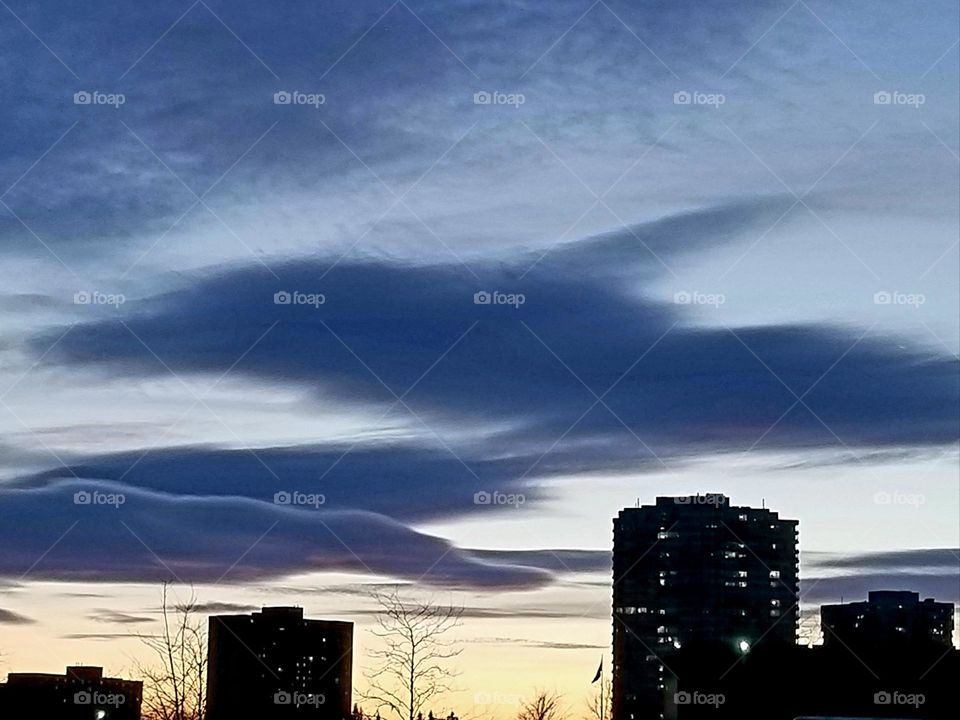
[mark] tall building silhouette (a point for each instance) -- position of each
(695, 573)
(277, 664)
(82, 693)
(888, 620)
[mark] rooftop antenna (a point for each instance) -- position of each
(763, 503)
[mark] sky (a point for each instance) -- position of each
(309, 298)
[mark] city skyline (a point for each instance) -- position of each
(302, 301)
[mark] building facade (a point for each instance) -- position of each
(694, 573)
(277, 664)
(81, 693)
(888, 620)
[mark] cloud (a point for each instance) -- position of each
(906, 560)
(118, 618)
(933, 572)
(9, 617)
(140, 536)
(519, 375)
(558, 560)
(590, 326)
(99, 637)
(223, 608)
(401, 481)
(944, 587)
(544, 644)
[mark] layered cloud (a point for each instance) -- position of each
(561, 363)
(207, 202)
(589, 356)
(932, 572)
(103, 532)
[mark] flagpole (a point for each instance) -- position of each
(603, 699)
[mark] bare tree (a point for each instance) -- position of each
(600, 701)
(544, 705)
(175, 681)
(413, 666)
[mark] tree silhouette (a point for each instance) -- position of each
(174, 684)
(413, 667)
(544, 705)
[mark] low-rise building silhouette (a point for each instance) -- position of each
(888, 620)
(877, 671)
(82, 693)
(699, 574)
(277, 664)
